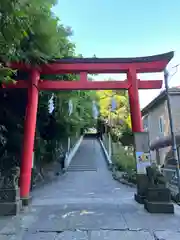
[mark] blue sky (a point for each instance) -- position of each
(123, 29)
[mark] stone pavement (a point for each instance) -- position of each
(88, 205)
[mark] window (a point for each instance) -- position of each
(145, 123)
(161, 125)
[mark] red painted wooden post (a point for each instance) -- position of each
(136, 120)
(29, 133)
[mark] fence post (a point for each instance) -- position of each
(110, 149)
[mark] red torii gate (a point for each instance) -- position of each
(82, 66)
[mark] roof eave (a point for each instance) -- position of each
(160, 97)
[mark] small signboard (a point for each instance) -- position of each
(143, 160)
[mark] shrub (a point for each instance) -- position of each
(123, 159)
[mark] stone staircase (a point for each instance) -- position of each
(80, 162)
(81, 168)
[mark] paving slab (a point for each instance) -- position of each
(30, 236)
(98, 219)
(8, 237)
(167, 235)
(73, 235)
(144, 220)
(21, 222)
(124, 235)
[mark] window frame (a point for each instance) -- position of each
(161, 125)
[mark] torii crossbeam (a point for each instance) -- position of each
(83, 66)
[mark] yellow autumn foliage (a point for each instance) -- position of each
(121, 114)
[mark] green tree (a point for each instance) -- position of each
(31, 33)
(119, 119)
(121, 113)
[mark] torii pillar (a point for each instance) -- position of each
(136, 118)
(29, 134)
(137, 126)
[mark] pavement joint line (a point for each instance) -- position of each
(83, 229)
(92, 229)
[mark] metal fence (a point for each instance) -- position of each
(106, 142)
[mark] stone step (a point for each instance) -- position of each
(159, 207)
(10, 208)
(86, 165)
(81, 168)
(83, 165)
